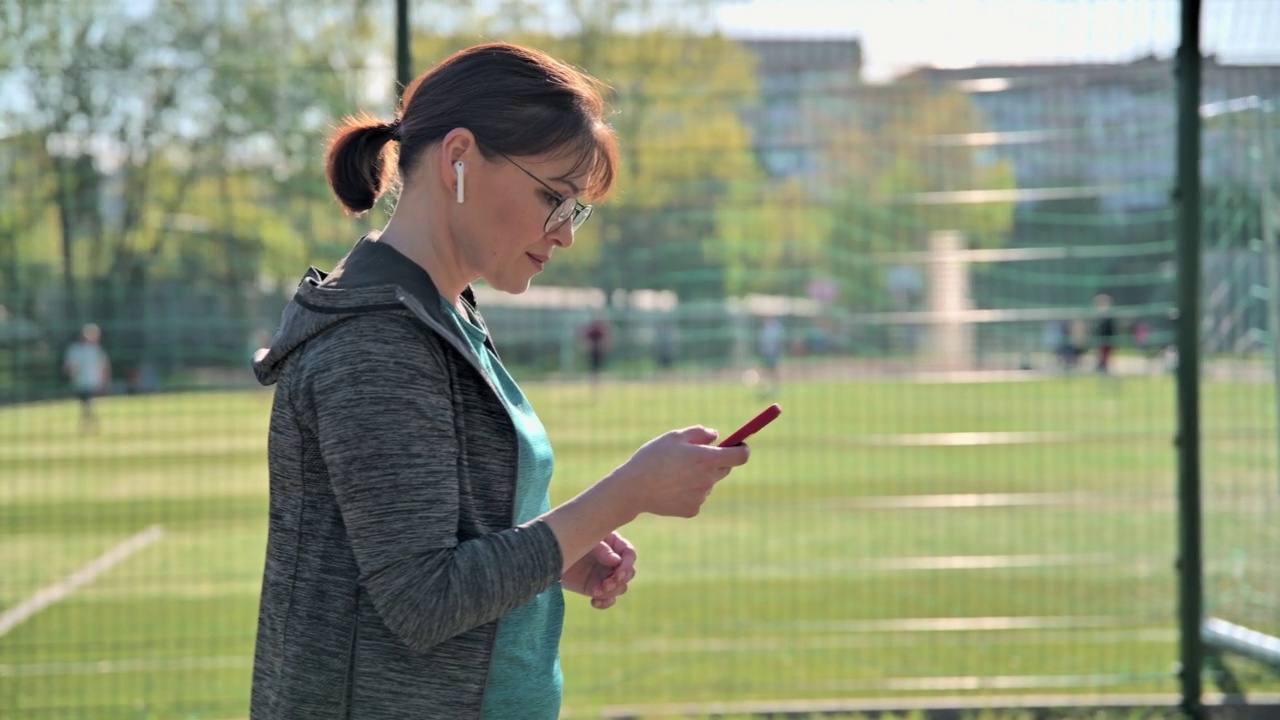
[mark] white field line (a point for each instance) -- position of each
(987, 500)
(175, 588)
(960, 624)
(893, 704)
(800, 642)
(737, 644)
(972, 562)
(107, 667)
(971, 439)
(186, 588)
(47, 596)
(1131, 566)
(171, 447)
(979, 682)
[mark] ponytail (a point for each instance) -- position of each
(357, 166)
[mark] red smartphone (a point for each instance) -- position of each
(753, 426)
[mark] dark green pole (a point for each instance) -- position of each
(1190, 590)
(404, 59)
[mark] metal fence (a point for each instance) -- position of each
(958, 508)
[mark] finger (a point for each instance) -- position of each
(607, 586)
(617, 590)
(619, 578)
(604, 554)
(619, 543)
(603, 603)
(698, 435)
(730, 457)
(626, 553)
(603, 583)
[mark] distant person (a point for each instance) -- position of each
(1104, 332)
(415, 566)
(1149, 351)
(773, 338)
(1068, 345)
(1169, 353)
(1080, 332)
(597, 337)
(1057, 341)
(144, 378)
(88, 368)
(666, 345)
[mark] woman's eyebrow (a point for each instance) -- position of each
(572, 185)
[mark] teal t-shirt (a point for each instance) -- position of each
(524, 678)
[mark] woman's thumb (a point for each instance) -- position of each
(699, 435)
(606, 555)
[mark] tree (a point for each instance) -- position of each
(909, 162)
(24, 219)
(178, 137)
(686, 155)
(103, 87)
(687, 161)
(938, 172)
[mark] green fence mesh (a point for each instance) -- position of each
(931, 207)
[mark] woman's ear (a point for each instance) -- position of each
(456, 149)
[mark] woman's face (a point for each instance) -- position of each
(504, 238)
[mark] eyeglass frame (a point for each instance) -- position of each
(577, 216)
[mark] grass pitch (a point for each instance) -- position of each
(887, 539)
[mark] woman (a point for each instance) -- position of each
(414, 565)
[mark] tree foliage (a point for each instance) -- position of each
(686, 151)
(132, 110)
(169, 142)
(906, 160)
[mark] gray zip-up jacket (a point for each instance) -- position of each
(391, 553)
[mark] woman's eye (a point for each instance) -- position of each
(552, 201)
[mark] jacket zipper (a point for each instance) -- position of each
(414, 307)
(351, 661)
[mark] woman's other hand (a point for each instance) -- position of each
(603, 573)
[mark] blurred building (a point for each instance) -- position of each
(1101, 130)
(1109, 130)
(804, 87)
(1096, 141)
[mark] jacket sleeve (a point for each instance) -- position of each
(378, 391)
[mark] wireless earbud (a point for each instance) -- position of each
(459, 169)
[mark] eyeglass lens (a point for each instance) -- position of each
(569, 209)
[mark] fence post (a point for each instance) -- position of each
(1190, 590)
(950, 343)
(404, 39)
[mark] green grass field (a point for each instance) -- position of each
(887, 540)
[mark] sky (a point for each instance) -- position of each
(897, 35)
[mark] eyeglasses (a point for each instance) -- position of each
(566, 209)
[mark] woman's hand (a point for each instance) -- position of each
(604, 572)
(673, 474)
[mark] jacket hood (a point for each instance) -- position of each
(373, 277)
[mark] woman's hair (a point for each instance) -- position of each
(515, 100)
